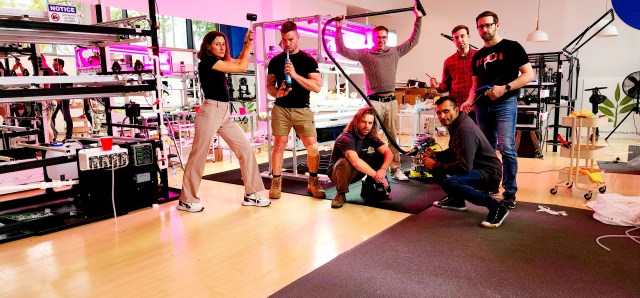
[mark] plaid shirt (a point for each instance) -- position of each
(456, 76)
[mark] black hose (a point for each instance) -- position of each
(366, 99)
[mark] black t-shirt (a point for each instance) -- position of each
(500, 62)
(62, 85)
(304, 65)
(214, 83)
(365, 148)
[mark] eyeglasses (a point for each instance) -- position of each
(486, 26)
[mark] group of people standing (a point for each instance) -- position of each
(468, 170)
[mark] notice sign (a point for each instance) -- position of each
(63, 14)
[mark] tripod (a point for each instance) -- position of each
(635, 109)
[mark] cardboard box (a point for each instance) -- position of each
(410, 99)
(422, 92)
(400, 98)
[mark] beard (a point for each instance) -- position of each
(487, 36)
(363, 133)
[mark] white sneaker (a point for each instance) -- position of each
(189, 206)
(255, 199)
(399, 175)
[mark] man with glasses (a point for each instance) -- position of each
(456, 73)
(469, 168)
(380, 64)
(503, 66)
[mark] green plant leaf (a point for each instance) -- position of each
(626, 100)
(605, 111)
(616, 94)
(609, 103)
(626, 109)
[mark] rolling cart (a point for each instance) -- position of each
(582, 152)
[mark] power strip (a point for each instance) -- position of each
(96, 158)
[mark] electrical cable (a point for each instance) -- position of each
(113, 197)
(175, 145)
(626, 235)
(545, 171)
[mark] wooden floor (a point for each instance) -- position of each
(229, 250)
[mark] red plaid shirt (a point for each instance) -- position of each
(456, 76)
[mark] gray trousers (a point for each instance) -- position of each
(212, 118)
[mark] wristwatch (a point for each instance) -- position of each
(508, 87)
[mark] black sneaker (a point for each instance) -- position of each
(451, 203)
(509, 200)
(496, 216)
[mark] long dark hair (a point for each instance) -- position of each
(360, 114)
(207, 40)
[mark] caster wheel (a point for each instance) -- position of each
(602, 189)
(570, 185)
(554, 190)
(587, 196)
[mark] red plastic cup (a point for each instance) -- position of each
(106, 142)
(196, 108)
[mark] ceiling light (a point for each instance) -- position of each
(538, 35)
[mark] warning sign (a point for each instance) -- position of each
(63, 14)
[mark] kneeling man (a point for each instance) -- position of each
(469, 167)
(358, 152)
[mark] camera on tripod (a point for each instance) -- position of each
(596, 98)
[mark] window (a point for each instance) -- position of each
(172, 32)
(200, 29)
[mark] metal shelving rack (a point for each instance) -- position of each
(39, 32)
(558, 91)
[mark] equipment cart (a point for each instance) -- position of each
(582, 152)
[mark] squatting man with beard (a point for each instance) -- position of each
(358, 152)
(469, 168)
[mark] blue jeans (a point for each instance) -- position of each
(468, 187)
(498, 123)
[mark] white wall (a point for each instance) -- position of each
(223, 12)
(601, 58)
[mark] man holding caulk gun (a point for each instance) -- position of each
(504, 66)
(291, 76)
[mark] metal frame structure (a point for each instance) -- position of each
(558, 59)
(309, 23)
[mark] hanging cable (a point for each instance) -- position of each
(364, 96)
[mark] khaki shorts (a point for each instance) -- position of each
(301, 119)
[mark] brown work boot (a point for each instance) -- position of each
(314, 188)
(338, 200)
(276, 188)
